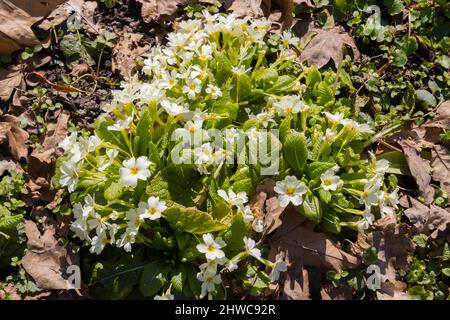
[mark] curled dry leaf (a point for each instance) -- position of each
(46, 259)
(326, 45)
(159, 9)
(265, 205)
(9, 79)
(126, 51)
(432, 220)
(243, 8)
(393, 244)
(8, 165)
(393, 291)
(420, 168)
(302, 245)
(16, 19)
(440, 166)
(442, 118)
(330, 292)
(13, 136)
(296, 284)
(41, 164)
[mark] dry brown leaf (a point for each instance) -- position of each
(393, 245)
(287, 8)
(126, 51)
(9, 79)
(14, 136)
(442, 118)
(296, 285)
(79, 69)
(431, 220)
(301, 244)
(393, 291)
(8, 165)
(420, 168)
(41, 164)
(158, 9)
(265, 205)
(16, 19)
(326, 45)
(243, 8)
(46, 259)
(440, 166)
(330, 292)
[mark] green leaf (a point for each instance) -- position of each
(420, 293)
(242, 88)
(313, 76)
(324, 94)
(425, 98)
(265, 77)
(325, 195)
(330, 222)
(223, 68)
(192, 220)
(394, 6)
(153, 154)
(410, 97)
(295, 151)
(102, 131)
(315, 169)
(114, 191)
(285, 128)
(311, 208)
(143, 132)
(179, 277)
(192, 281)
(175, 184)
(397, 162)
(234, 235)
(245, 185)
(400, 58)
(153, 278)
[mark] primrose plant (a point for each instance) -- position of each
(178, 153)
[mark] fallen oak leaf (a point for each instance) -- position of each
(9, 80)
(300, 243)
(393, 291)
(16, 20)
(14, 136)
(328, 45)
(158, 9)
(440, 166)
(8, 165)
(296, 284)
(243, 8)
(265, 205)
(431, 220)
(46, 259)
(420, 168)
(126, 51)
(330, 292)
(393, 245)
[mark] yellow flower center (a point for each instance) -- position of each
(290, 190)
(192, 129)
(327, 182)
(151, 211)
(192, 87)
(365, 195)
(289, 110)
(134, 171)
(211, 248)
